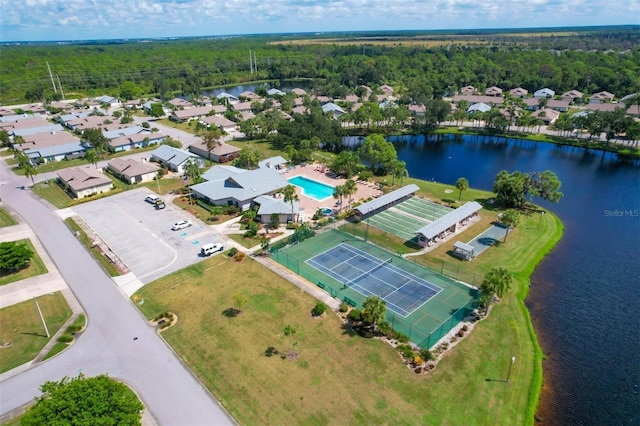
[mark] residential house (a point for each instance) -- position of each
(601, 97)
(300, 92)
(243, 106)
(175, 159)
(519, 92)
(322, 99)
(475, 99)
(493, 91)
(35, 109)
(132, 171)
(221, 122)
(300, 110)
(417, 110)
(138, 140)
(478, 107)
(630, 98)
(126, 131)
(533, 104)
(547, 115)
(544, 93)
(89, 122)
(333, 109)
(572, 96)
(133, 104)
(6, 111)
(181, 104)
(46, 128)
(228, 185)
(275, 92)
(194, 113)
(468, 90)
(250, 96)
(227, 98)
(108, 100)
(387, 90)
(82, 182)
(61, 105)
(277, 162)
(221, 153)
(47, 147)
(246, 115)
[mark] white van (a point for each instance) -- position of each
(153, 199)
(209, 249)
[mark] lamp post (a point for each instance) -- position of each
(513, 359)
(540, 221)
(366, 237)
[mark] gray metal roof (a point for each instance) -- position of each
(440, 225)
(272, 162)
(173, 156)
(270, 205)
(464, 246)
(222, 172)
(385, 199)
(56, 150)
(127, 131)
(33, 130)
(243, 186)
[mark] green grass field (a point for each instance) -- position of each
(36, 267)
(21, 325)
(6, 219)
(340, 378)
(78, 324)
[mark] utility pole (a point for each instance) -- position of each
(42, 318)
(250, 63)
(255, 62)
(60, 86)
(51, 75)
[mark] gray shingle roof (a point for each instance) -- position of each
(270, 205)
(440, 225)
(272, 162)
(240, 186)
(127, 131)
(172, 156)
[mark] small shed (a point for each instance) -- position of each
(463, 251)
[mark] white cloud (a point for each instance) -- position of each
(69, 19)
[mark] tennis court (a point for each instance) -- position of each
(422, 303)
(405, 218)
(402, 291)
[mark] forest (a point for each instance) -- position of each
(589, 60)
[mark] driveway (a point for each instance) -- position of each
(141, 236)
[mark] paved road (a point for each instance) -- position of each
(171, 393)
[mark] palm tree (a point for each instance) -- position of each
(338, 193)
(373, 310)
(349, 188)
(29, 171)
(290, 196)
(462, 184)
(212, 140)
(92, 157)
(498, 282)
(192, 170)
(511, 219)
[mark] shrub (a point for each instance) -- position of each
(343, 307)
(465, 328)
(461, 333)
(355, 315)
(65, 338)
(426, 354)
(233, 251)
(417, 360)
(231, 210)
(319, 309)
(249, 234)
(406, 351)
(402, 338)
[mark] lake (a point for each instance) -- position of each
(585, 296)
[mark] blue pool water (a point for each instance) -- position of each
(312, 188)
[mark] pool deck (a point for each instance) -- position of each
(314, 171)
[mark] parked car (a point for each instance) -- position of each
(209, 249)
(153, 199)
(181, 225)
(160, 205)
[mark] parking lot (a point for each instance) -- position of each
(141, 236)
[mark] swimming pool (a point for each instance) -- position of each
(312, 188)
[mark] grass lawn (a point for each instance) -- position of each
(262, 146)
(200, 212)
(339, 377)
(53, 193)
(250, 242)
(6, 219)
(21, 325)
(181, 126)
(77, 325)
(35, 268)
(97, 254)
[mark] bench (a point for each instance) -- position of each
(349, 301)
(322, 286)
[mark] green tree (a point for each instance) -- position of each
(97, 400)
(512, 188)
(14, 256)
(290, 333)
(497, 281)
(192, 170)
(4, 139)
(248, 159)
(462, 184)
(373, 310)
(239, 300)
(349, 189)
(91, 156)
(378, 153)
(275, 220)
(97, 140)
(212, 139)
(338, 193)
(290, 196)
(156, 110)
(346, 163)
(29, 171)
(511, 219)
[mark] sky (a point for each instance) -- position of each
(48, 20)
